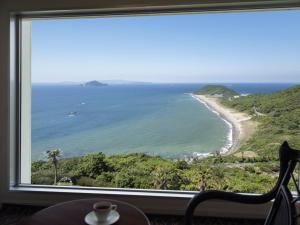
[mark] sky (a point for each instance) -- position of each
(191, 48)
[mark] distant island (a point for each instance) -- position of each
(104, 82)
(217, 91)
(93, 83)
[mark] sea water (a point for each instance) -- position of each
(156, 119)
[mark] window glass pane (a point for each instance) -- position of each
(177, 102)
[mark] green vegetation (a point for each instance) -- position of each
(216, 90)
(278, 115)
(138, 170)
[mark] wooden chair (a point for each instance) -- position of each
(283, 211)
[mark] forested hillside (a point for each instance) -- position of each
(279, 117)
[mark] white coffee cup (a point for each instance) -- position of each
(102, 210)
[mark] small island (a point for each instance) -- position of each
(216, 91)
(93, 83)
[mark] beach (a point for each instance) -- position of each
(241, 127)
(156, 119)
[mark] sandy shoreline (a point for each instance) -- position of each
(240, 124)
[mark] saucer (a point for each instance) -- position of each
(112, 217)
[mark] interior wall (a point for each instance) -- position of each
(3, 99)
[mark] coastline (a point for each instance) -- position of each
(240, 125)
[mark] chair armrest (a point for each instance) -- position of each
(222, 195)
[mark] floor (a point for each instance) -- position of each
(12, 214)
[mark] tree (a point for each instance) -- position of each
(92, 165)
(53, 156)
(166, 177)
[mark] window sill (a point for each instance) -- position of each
(149, 201)
(103, 191)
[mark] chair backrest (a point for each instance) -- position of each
(283, 211)
(288, 158)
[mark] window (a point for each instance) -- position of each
(15, 164)
(167, 102)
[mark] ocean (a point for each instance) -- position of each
(157, 119)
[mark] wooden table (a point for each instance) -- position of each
(73, 213)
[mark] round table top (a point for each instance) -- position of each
(73, 213)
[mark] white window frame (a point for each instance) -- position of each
(161, 202)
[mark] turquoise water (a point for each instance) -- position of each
(156, 119)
